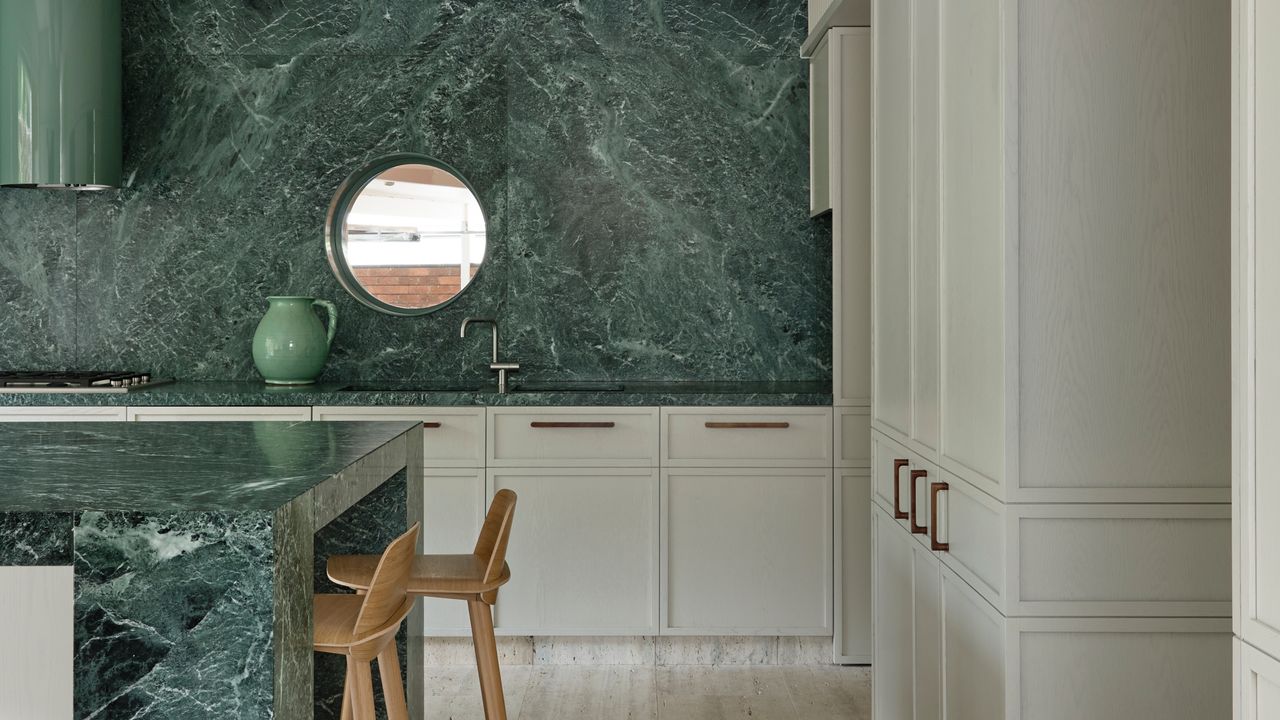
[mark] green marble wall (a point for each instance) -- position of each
(644, 162)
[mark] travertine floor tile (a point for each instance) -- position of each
(453, 693)
(629, 692)
(576, 692)
(749, 681)
(829, 693)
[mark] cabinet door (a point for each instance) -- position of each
(1258, 345)
(1258, 684)
(926, 614)
(454, 507)
(746, 552)
(891, 693)
(973, 653)
(583, 552)
(851, 219)
(820, 129)
(38, 680)
(891, 318)
(973, 259)
(853, 567)
(925, 227)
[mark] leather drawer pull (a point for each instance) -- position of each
(934, 489)
(431, 425)
(747, 425)
(543, 424)
(916, 529)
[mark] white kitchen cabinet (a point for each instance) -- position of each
(890, 217)
(218, 414)
(746, 552)
(452, 436)
(455, 503)
(1038, 330)
(926, 634)
(572, 437)
(891, 690)
(1256, 351)
(1257, 683)
(853, 635)
(820, 96)
(747, 437)
(62, 414)
(1050, 282)
(851, 216)
(583, 552)
(38, 675)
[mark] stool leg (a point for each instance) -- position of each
(346, 694)
(495, 707)
(392, 687)
(362, 689)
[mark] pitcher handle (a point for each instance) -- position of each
(332, 311)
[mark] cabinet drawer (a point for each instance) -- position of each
(451, 437)
(62, 414)
(972, 523)
(219, 414)
(853, 437)
(573, 437)
(747, 437)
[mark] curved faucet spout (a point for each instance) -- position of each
(483, 321)
(502, 368)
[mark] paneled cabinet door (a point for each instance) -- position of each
(1258, 684)
(583, 552)
(454, 507)
(890, 228)
(1259, 467)
(927, 633)
(746, 552)
(973, 653)
(891, 693)
(853, 567)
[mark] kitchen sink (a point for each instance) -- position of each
(436, 387)
(582, 386)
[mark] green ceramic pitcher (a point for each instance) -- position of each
(291, 344)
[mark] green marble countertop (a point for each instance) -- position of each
(444, 394)
(177, 467)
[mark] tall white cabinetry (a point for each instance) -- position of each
(840, 117)
(1257, 352)
(1050, 364)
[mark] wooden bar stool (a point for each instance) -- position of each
(474, 578)
(363, 627)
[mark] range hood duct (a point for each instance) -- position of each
(60, 115)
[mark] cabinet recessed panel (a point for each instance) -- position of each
(747, 552)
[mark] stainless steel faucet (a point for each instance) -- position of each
(502, 368)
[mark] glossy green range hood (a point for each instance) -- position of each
(60, 94)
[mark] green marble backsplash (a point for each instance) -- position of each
(644, 162)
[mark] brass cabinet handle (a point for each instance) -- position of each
(548, 424)
(748, 425)
(898, 464)
(431, 425)
(934, 489)
(917, 529)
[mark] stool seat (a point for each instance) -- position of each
(447, 576)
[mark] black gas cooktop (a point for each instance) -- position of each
(72, 380)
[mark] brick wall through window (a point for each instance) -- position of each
(412, 286)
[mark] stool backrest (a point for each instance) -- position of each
(388, 595)
(492, 543)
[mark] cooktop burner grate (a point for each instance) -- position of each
(71, 379)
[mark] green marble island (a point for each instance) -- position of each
(197, 548)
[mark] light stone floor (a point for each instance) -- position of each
(680, 692)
